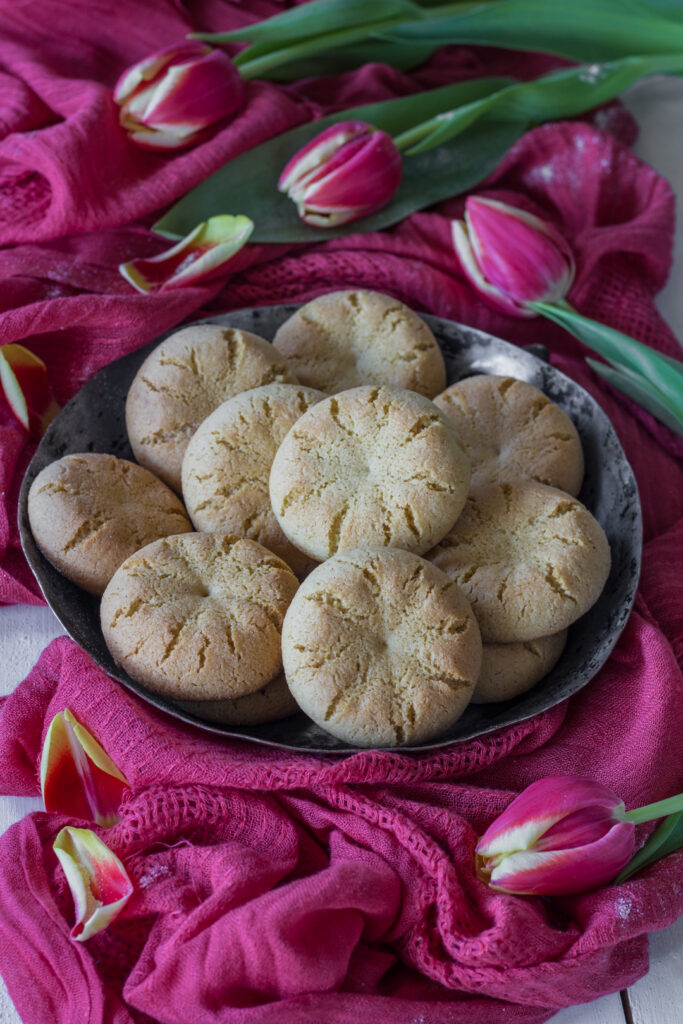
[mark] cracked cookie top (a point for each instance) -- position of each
(508, 670)
(227, 466)
(89, 512)
(381, 648)
(348, 338)
(375, 466)
(199, 616)
(530, 558)
(184, 379)
(511, 430)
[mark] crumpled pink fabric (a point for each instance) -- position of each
(289, 888)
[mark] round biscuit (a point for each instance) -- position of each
(88, 512)
(227, 466)
(344, 339)
(380, 648)
(269, 704)
(199, 616)
(376, 466)
(530, 558)
(509, 670)
(512, 431)
(184, 379)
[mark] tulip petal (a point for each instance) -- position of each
(24, 380)
(495, 298)
(99, 884)
(562, 872)
(195, 258)
(77, 777)
(148, 69)
(318, 151)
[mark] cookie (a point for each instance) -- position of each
(511, 431)
(227, 466)
(373, 466)
(89, 512)
(273, 702)
(199, 616)
(184, 379)
(345, 339)
(380, 648)
(508, 670)
(530, 558)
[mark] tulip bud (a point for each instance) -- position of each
(169, 100)
(561, 835)
(347, 172)
(27, 389)
(192, 260)
(99, 883)
(512, 257)
(77, 777)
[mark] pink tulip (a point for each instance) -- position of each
(512, 257)
(171, 99)
(77, 777)
(24, 381)
(347, 172)
(561, 835)
(99, 883)
(194, 259)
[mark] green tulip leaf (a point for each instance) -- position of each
(667, 838)
(248, 183)
(623, 352)
(640, 391)
(338, 59)
(583, 30)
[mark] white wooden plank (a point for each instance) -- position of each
(607, 1010)
(658, 997)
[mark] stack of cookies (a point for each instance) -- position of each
(368, 545)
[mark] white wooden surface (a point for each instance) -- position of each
(657, 998)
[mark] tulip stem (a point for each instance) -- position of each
(660, 809)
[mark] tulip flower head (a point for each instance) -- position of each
(99, 883)
(512, 257)
(559, 836)
(347, 172)
(24, 381)
(171, 99)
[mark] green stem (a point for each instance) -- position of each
(660, 809)
(311, 47)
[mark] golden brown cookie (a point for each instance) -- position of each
(227, 466)
(273, 702)
(511, 431)
(380, 648)
(89, 512)
(530, 558)
(348, 338)
(198, 617)
(373, 466)
(184, 379)
(508, 670)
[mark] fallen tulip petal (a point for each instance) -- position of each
(99, 884)
(171, 99)
(77, 777)
(27, 389)
(195, 258)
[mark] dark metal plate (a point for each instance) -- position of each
(93, 421)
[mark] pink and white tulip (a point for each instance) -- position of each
(347, 172)
(77, 777)
(171, 99)
(512, 257)
(193, 260)
(561, 835)
(99, 883)
(24, 380)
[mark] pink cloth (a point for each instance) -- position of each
(272, 886)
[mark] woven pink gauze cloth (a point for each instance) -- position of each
(271, 886)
